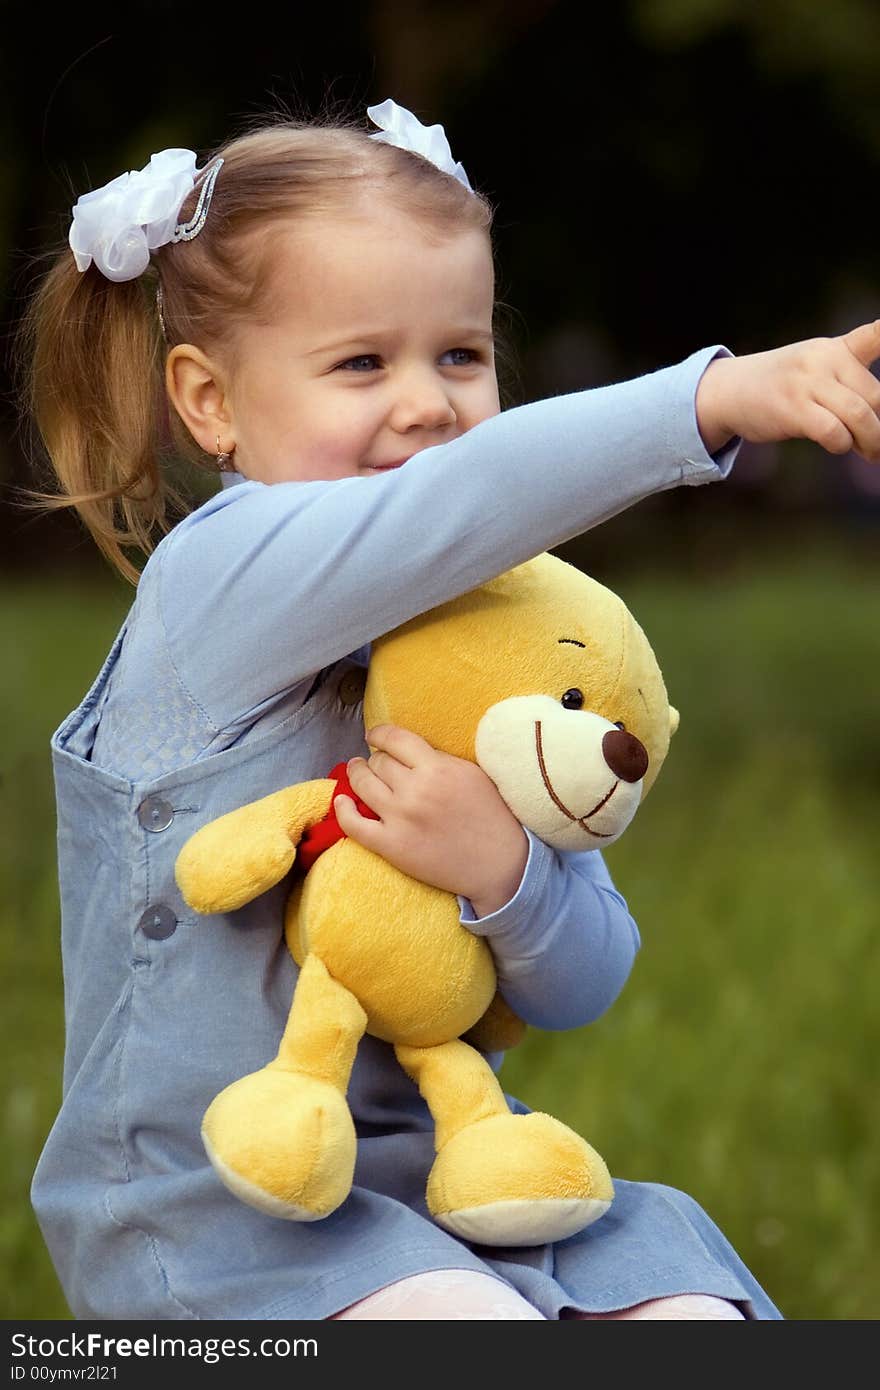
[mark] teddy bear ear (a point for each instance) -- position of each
(674, 719)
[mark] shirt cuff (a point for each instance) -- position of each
(519, 910)
(698, 465)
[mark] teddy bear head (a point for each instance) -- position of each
(542, 677)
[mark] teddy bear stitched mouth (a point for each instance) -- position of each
(578, 820)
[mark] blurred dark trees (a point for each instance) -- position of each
(667, 173)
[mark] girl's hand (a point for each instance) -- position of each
(442, 820)
(820, 389)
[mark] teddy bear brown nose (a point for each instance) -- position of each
(625, 755)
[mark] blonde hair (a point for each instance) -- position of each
(92, 352)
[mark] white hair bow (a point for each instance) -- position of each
(400, 127)
(117, 226)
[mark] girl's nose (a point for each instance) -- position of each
(422, 403)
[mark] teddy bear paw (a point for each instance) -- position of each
(282, 1142)
(517, 1180)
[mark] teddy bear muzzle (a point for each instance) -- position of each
(572, 777)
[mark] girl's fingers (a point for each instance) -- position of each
(863, 382)
(388, 769)
(370, 788)
(360, 828)
(864, 342)
(408, 748)
(859, 421)
(824, 428)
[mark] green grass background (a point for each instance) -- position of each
(740, 1063)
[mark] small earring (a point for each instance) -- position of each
(224, 457)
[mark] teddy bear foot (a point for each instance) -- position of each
(282, 1142)
(524, 1222)
(517, 1180)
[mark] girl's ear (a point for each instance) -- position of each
(196, 387)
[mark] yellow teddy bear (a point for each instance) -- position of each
(544, 679)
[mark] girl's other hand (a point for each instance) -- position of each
(820, 389)
(441, 819)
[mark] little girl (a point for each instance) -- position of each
(316, 303)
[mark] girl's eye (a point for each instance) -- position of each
(360, 364)
(461, 357)
(572, 699)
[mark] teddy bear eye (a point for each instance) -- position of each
(572, 699)
(619, 724)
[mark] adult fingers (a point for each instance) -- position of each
(404, 745)
(864, 342)
(858, 419)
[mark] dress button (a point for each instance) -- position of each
(158, 922)
(352, 686)
(154, 813)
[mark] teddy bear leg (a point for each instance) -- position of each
(498, 1178)
(282, 1139)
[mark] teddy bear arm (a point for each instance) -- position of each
(498, 1030)
(234, 859)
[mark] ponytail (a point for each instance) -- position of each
(90, 361)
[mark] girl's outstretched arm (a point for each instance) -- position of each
(304, 573)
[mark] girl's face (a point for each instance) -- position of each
(381, 346)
